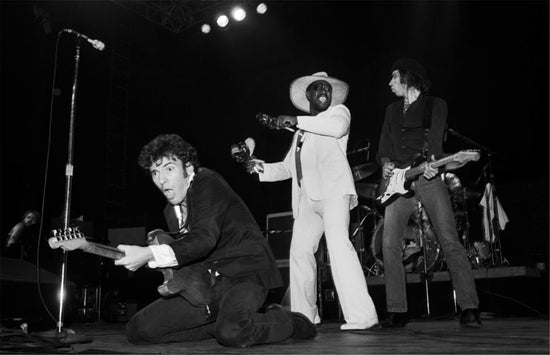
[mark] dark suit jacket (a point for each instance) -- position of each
(222, 232)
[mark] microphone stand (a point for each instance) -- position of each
(69, 169)
(493, 225)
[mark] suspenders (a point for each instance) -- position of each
(427, 124)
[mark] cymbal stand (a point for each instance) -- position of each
(424, 255)
(494, 224)
(361, 244)
(460, 206)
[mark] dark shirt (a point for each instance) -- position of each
(403, 135)
(222, 232)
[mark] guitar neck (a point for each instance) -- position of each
(103, 250)
(418, 170)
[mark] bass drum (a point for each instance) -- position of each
(413, 258)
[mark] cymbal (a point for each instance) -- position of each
(364, 170)
(367, 190)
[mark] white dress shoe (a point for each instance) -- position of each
(357, 326)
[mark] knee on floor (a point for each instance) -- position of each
(140, 333)
(238, 333)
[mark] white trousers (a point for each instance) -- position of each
(330, 216)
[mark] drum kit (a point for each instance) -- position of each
(421, 249)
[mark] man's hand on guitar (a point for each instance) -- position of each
(430, 171)
(135, 256)
(387, 169)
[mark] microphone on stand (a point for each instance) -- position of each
(97, 44)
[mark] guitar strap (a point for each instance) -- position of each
(427, 124)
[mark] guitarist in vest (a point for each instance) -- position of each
(413, 128)
(214, 235)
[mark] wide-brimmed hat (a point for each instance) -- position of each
(298, 90)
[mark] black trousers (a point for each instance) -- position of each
(238, 323)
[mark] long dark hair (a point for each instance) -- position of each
(414, 80)
(412, 74)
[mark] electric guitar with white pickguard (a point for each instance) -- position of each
(399, 182)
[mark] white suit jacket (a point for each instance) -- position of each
(325, 168)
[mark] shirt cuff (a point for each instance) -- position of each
(164, 256)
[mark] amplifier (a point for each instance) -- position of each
(278, 234)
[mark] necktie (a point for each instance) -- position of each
(299, 143)
(183, 216)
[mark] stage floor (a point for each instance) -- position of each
(420, 336)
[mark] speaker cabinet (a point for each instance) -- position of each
(279, 233)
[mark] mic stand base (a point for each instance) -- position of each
(66, 336)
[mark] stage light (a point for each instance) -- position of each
(205, 28)
(261, 8)
(222, 21)
(238, 14)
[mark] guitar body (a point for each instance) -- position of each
(394, 187)
(193, 282)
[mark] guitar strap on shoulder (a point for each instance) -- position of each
(427, 123)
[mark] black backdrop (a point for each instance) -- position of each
(488, 59)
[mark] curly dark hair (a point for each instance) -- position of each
(167, 146)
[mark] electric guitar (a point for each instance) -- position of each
(399, 182)
(193, 282)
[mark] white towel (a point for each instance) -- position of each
(502, 218)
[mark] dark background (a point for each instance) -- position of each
(487, 59)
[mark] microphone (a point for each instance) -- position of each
(270, 122)
(97, 44)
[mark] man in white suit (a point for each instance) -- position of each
(323, 193)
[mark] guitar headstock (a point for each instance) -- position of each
(466, 155)
(68, 239)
